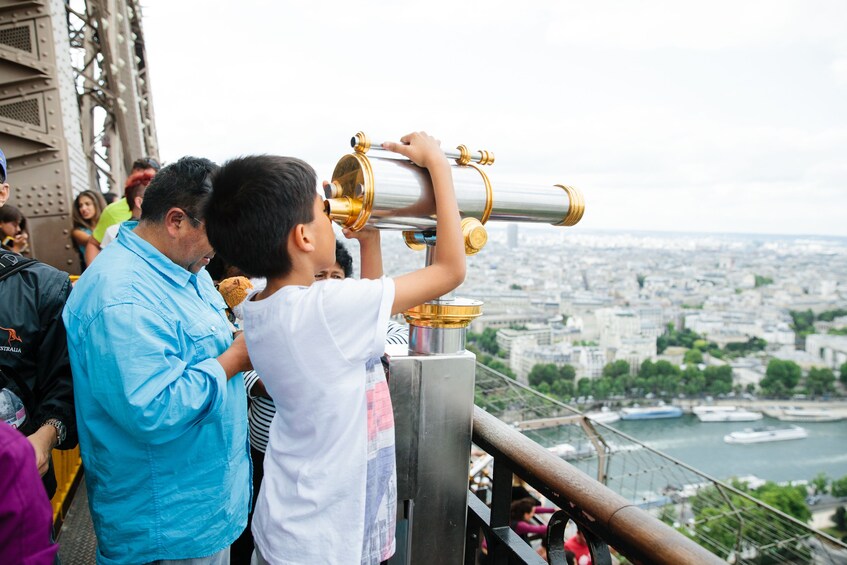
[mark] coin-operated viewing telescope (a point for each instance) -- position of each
(432, 381)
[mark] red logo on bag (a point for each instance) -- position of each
(13, 335)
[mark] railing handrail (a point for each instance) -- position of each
(624, 526)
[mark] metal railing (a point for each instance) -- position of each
(603, 516)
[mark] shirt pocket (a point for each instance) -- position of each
(203, 336)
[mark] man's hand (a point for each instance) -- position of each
(235, 359)
(43, 441)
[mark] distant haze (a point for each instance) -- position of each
(681, 116)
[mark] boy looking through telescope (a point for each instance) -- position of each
(315, 345)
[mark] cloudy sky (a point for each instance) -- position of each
(721, 116)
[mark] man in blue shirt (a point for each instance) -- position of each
(162, 423)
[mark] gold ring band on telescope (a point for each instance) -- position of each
(576, 205)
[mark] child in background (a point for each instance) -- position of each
(86, 212)
(13, 230)
(317, 347)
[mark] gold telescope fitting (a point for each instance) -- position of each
(360, 142)
(489, 194)
(352, 191)
(411, 242)
(576, 208)
(475, 236)
(457, 313)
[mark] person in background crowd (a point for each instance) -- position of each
(88, 206)
(35, 374)
(118, 211)
(578, 546)
(163, 423)
(135, 196)
(110, 197)
(26, 517)
(13, 230)
(521, 513)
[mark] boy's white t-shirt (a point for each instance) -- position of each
(311, 345)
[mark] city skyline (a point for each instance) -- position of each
(723, 117)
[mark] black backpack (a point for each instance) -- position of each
(11, 263)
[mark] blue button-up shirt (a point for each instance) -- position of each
(163, 434)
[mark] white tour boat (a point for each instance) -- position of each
(737, 415)
(793, 414)
(604, 416)
(651, 413)
(766, 434)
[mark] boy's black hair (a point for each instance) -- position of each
(344, 260)
(184, 184)
(256, 201)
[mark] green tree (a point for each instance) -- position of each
(543, 373)
(567, 372)
(780, 377)
(840, 518)
(803, 322)
(583, 387)
(762, 280)
(820, 381)
(719, 523)
(842, 374)
(488, 341)
(789, 499)
(718, 379)
(619, 368)
(563, 388)
(693, 357)
(838, 487)
(694, 382)
(820, 483)
(830, 315)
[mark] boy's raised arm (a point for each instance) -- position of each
(370, 251)
(447, 270)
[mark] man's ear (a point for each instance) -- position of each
(138, 200)
(5, 191)
(173, 219)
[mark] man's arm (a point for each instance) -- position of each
(146, 384)
(447, 270)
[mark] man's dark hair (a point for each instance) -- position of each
(146, 163)
(256, 202)
(344, 260)
(185, 184)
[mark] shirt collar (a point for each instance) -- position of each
(155, 258)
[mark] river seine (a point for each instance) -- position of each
(702, 447)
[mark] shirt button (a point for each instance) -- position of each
(213, 328)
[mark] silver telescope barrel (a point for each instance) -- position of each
(394, 194)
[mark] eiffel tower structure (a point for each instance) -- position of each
(75, 109)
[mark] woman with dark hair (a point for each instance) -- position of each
(86, 212)
(13, 230)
